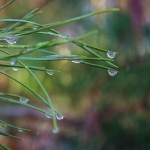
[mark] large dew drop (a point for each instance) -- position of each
(12, 39)
(15, 69)
(48, 116)
(24, 100)
(111, 54)
(50, 72)
(76, 61)
(55, 131)
(112, 72)
(59, 116)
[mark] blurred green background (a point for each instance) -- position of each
(101, 112)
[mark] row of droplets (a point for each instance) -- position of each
(111, 72)
(14, 38)
(58, 116)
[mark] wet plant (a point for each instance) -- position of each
(23, 27)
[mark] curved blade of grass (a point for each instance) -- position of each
(6, 134)
(15, 127)
(6, 4)
(4, 147)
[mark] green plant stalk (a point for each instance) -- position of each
(27, 130)
(5, 147)
(95, 65)
(46, 94)
(6, 134)
(6, 4)
(98, 66)
(27, 16)
(30, 67)
(39, 45)
(50, 103)
(41, 98)
(25, 104)
(11, 95)
(47, 26)
(3, 125)
(50, 58)
(81, 44)
(95, 54)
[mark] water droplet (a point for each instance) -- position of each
(55, 131)
(111, 54)
(20, 130)
(12, 39)
(50, 72)
(59, 116)
(48, 115)
(15, 69)
(13, 61)
(24, 100)
(112, 72)
(76, 61)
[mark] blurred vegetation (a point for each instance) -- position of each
(102, 112)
